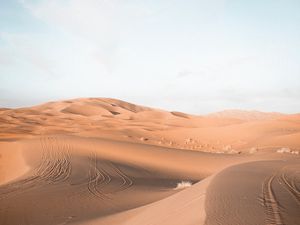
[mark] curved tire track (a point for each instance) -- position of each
(271, 205)
(57, 167)
(127, 182)
(54, 167)
(290, 185)
(97, 179)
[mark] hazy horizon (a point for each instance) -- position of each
(152, 106)
(196, 57)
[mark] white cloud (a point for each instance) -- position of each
(90, 21)
(103, 23)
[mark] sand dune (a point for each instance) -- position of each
(106, 161)
(118, 120)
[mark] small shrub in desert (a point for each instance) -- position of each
(183, 184)
(284, 150)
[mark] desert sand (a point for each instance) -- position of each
(109, 162)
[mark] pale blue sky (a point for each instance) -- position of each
(194, 56)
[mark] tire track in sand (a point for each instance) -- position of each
(290, 185)
(97, 178)
(127, 182)
(270, 203)
(54, 167)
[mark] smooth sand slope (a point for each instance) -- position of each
(105, 161)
